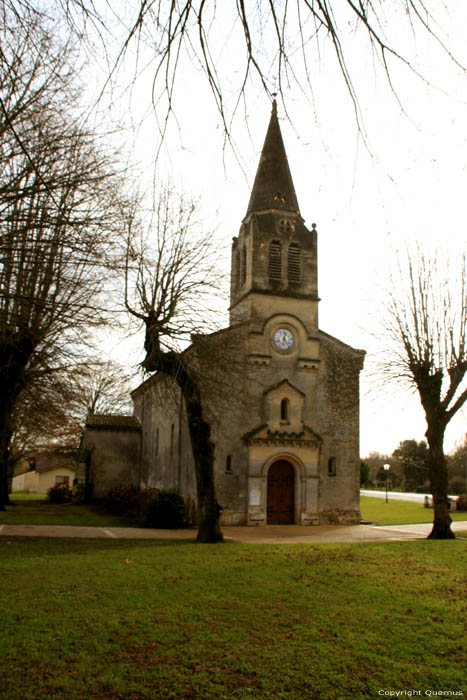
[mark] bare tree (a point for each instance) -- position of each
(426, 328)
(44, 415)
(57, 218)
(53, 405)
(277, 44)
(171, 277)
(101, 387)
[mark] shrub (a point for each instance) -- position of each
(456, 485)
(166, 510)
(462, 502)
(60, 493)
(78, 493)
(364, 474)
(124, 500)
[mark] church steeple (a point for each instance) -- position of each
(274, 257)
(273, 188)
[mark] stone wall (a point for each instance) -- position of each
(113, 457)
(166, 455)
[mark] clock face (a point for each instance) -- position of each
(283, 339)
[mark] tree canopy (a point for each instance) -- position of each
(273, 45)
(59, 210)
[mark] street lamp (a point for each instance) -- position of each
(386, 468)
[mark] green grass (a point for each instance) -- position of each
(26, 496)
(38, 511)
(134, 620)
(398, 512)
(34, 509)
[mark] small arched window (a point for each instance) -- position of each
(332, 466)
(275, 260)
(243, 266)
(293, 263)
(172, 436)
(235, 269)
(285, 409)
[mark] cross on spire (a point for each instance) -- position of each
(273, 187)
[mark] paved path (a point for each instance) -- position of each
(271, 534)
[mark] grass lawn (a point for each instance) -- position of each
(127, 620)
(34, 509)
(26, 496)
(398, 512)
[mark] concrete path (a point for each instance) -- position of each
(271, 534)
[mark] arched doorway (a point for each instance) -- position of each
(281, 493)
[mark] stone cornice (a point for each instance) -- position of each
(282, 439)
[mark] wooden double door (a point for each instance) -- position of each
(281, 493)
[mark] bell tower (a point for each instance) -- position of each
(274, 257)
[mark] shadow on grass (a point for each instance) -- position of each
(33, 546)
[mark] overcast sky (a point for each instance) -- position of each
(401, 179)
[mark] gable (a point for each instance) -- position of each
(263, 435)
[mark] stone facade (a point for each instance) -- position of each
(282, 396)
(166, 456)
(110, 450)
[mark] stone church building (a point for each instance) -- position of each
(282, 395)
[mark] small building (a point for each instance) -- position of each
(110, 449)
(48, 468)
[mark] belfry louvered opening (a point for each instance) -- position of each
(275, 260)
(293, 268)
(243, 266)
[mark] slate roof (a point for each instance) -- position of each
(70, 465)
(273, 187)
(113, 422)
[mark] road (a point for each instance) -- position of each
(396, 496)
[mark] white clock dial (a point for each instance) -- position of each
(283, 339)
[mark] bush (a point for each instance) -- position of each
(166, 510)
(124, 500)
(364, 474)
(60, 493)
(456, 485)
(462, 502)
(78, 493)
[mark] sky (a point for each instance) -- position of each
(399, 177)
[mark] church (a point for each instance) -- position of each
(282, 396)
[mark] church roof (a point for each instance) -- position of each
(111, 421)
(273, 187)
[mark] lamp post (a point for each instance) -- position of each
(386, 468)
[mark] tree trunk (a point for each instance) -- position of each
(200, 433)
(5, 437)
(7, 402)
(439, 484)
(14, 356)
(203, 452)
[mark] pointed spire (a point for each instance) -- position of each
(273, 187)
